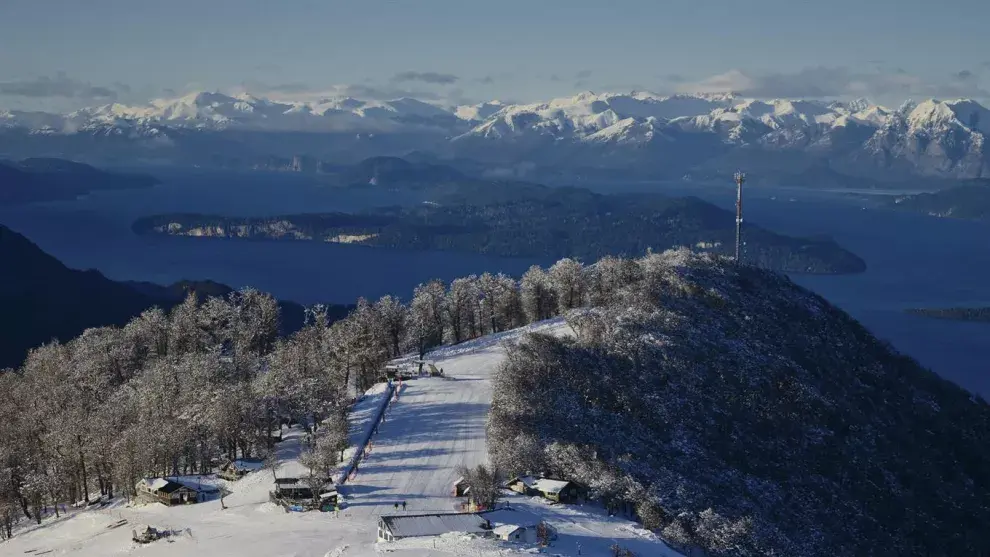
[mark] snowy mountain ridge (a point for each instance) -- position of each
(932, 137)
(581, 116)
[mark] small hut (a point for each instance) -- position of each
(237, 469)
(167, 492)
(296, 489)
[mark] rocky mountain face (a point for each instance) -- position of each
(742, 415)
(631, 135)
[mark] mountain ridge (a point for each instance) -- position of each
(629, 132)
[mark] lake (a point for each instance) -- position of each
(914, 261)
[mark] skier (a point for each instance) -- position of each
(403, 505)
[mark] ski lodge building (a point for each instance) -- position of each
(397, 527)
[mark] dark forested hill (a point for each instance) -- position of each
(46, 179)
(528, 220)
(42, 299)
(747, 416)
(970, 201)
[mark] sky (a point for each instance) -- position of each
(64, 54)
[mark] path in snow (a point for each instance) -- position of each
(436, 425)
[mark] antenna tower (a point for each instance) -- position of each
(739, 177)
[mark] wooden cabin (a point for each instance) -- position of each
(167, 492)
(296, 489)
(237, 469)
(558, 491)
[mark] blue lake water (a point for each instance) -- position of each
(913, 260)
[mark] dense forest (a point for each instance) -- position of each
(526, 220)
(744, 415)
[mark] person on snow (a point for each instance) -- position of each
(403, 505)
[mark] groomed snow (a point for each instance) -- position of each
(435, 425)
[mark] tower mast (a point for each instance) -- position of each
(739, 178)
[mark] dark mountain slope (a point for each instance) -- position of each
(49, 179)
(745, 415)
(42, 299)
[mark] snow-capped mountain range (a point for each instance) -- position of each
(934, 137)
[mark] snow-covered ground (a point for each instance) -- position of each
(435, 425)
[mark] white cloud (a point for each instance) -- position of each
(823, 82)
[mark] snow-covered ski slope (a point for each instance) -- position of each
(434, 426)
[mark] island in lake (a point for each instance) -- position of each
(516, 219)
(956, 314)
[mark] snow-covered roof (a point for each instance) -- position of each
(156, 484)
(166, 485)
(543, 485)
(511, 517)
(404, 526)
(505, 529)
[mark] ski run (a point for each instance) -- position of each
(431, 426)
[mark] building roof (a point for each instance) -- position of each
(165, 485)
(511, 517)
(403, 526)
(505, 529)
(543, 485)
(299, 483)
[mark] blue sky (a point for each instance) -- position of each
(79, 52)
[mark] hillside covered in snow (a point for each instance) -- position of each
(624, 135)
(744, 415)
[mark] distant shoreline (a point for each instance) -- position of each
(980, 314)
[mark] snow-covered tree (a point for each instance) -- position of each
(394, 318)
(567, 281)
(427, 316)
(539, 299)
(485, 484)
(461, 305)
